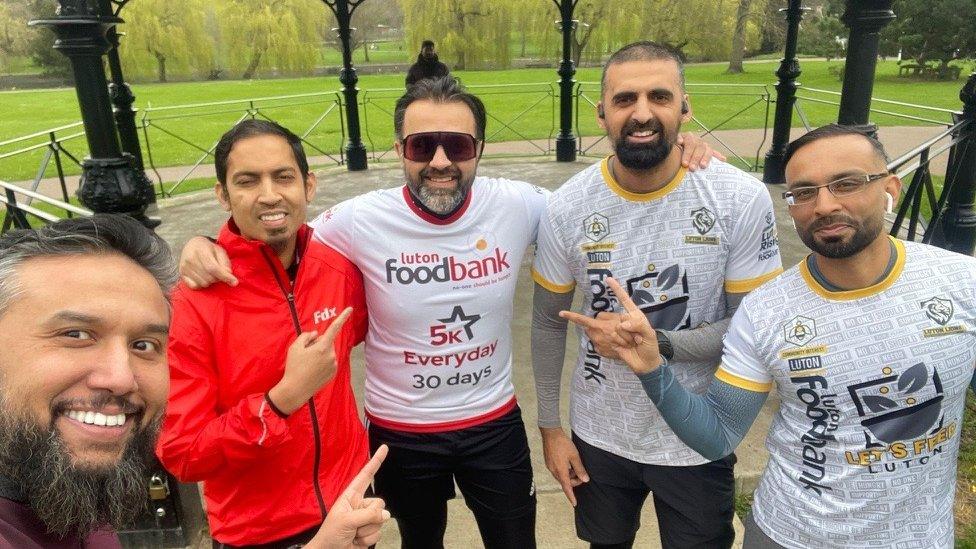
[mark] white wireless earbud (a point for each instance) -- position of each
(793, 221)
(889, 203)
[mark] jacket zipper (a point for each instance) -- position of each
(316, 436)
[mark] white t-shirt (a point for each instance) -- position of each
(863, 450)
(439, 294)
(677, 250)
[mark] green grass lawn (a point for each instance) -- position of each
(521, 104)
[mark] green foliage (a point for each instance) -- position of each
(819, 33)
(925, 31)
(470, 34)
(166, 36)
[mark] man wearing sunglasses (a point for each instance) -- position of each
(870, 342)
(688, 247)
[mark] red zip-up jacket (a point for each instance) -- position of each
(266, 476)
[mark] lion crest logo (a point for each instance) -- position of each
(938, 309)
(703, 220)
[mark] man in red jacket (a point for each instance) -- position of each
(260, 407)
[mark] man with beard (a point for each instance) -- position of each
(871, 343)
(83, 378)
(689, 246)
(261, 408)
(439, 257)
(427, 65)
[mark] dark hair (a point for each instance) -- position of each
(835, 130)
(253, 128)
(427, 44)
(98, 234)
(444, 89)
(645, 50)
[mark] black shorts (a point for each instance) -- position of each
(490, 463)
(694, 504)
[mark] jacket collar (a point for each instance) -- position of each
(239, 247)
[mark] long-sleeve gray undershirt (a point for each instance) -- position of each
(702, 344)
(712, 424)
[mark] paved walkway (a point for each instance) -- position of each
(198, 213)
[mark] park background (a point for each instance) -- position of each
(196, 66)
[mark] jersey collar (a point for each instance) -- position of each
(639, 197)
(849, 295)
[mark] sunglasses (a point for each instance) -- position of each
(421, 147)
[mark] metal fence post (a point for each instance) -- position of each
(566, 141)
(355, 150)
(865, 18)
(956, 230)
(789, 70)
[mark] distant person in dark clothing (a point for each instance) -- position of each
(427, 65)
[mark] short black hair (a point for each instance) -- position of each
(645, 50)
(253, 128)
(444, 89)
(835, 130)
(427, 44)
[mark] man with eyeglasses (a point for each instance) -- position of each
(688, 247)
(870, 342)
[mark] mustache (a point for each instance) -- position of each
(98, 403)
(635, 126)
(832, 220)
(450, 172)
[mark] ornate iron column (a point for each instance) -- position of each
(789, 70)
(566, 140)
(865, 18)
(355, 150)
(957, 228)
(110, 180)
(118, 89)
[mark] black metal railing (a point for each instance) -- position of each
(23, 213)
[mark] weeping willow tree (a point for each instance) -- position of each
(165, 37)
(284, 36)
(469, 34)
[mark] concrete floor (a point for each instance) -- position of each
(198, 213)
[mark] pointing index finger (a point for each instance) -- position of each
(333, 329)
(578, 319)
(622, 296)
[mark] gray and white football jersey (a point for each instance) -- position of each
(863, 450)
(677, 251)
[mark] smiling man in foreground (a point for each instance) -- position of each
(83, 378)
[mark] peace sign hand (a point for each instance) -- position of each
(634, 340)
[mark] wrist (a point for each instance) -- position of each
(549, 432)
(281, 400)
(652, 365)
(664, 345)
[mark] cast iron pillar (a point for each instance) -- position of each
(566, 140)
(789, 70)
(865, 18)
(110, 180)
(119, 91)
(957, 228)
(355, 150)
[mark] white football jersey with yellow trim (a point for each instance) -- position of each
(677, 250)
(863, 450)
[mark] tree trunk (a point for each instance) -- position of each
(252, 67)
(739, 38)
(160, 66)
(366, 51)
(522, 52)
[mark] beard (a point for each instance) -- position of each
(644, 156)
(69, 498)
(837, 247)
(440, 201)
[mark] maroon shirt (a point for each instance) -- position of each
(20, 528)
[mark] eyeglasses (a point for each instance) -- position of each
(845, 186)
(421, 147)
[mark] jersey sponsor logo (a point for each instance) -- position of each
(450, 268)
(603, 246)
(800, 330)
(940, 310)
(441, 334)
(769, 243)
(596, 227)
(805, 364)
(598, 257)
(702, 220)
(450, 359)
(902, 417)
(323, 315)
(817, 350)
(822, 412)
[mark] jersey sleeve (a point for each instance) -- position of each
(551, 268)
(335, 227)
(754, 256)
(535, 198)
(741, 365)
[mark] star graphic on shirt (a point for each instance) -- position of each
(457, 315)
